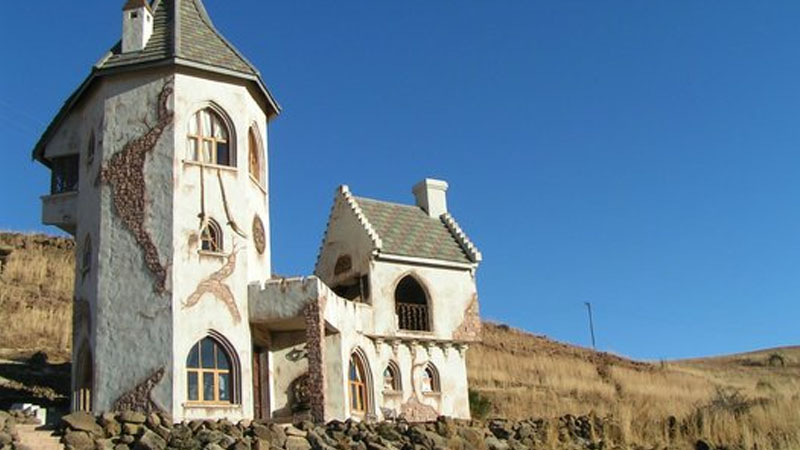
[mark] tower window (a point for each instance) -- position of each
(210, 373)
(255, 156)
(211, 238)
(134, 15)
(90, 150)
(208, 139)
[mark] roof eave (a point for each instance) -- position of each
(432, 262)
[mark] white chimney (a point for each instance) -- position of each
(137, 25)
(431, 196)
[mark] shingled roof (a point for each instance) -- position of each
(182, 29)
(408, 231)
(182, 35)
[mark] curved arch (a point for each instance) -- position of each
(392, 378)
(359, 386)
(255, 154)
(430, 380)
(412, 304)
(211, 238)
(213, 371)
(211, 136)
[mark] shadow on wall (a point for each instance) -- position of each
(35, 381)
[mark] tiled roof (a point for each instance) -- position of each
(408, 231)
(182, 29)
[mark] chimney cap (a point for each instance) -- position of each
(430, 183)
(136, 4)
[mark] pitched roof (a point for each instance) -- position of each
(182, 29)
(407, 230)
(182, 35)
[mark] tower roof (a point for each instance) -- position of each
(183, 35)
(182, 30)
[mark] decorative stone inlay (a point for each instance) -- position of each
(124, 173)
(140, 398)
(214, 285)
(315, 336)
(414, 410)
(470, 328)
(259, 235)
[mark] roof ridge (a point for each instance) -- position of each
(461, 237)
(352, 201)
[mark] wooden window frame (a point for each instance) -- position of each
(201, 140)
(215, 372)
(359, 405)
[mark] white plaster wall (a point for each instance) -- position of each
(245, 200)
(345, 236)
(288, 362)
(450, 292)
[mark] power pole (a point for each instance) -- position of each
(591, 324)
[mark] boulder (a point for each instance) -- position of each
(78, 440)
(5, 438)
(82, 421)
(297, 443)
(150, 441)
(132, 417)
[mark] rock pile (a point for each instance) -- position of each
(9, 438)
(137, 431)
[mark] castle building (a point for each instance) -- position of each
(159, 170)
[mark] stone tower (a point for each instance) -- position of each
(159, 170)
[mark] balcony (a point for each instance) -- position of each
(413, 317)
(61, 210)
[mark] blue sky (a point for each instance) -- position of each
(643, 156)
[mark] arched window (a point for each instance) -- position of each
(358, 383)
(90, 150)
(209, 139)
(391, 378)
(86, 256)
(411, 305)
(210, 371)
(211, 237)
(343, 264)
(430, 380)
(255, 157)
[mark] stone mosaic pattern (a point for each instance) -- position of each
(470, 328)
(215, 286)
(259, 235)
(140, 398)
(124, 173)
(315, 335)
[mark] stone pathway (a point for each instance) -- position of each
(38, 439)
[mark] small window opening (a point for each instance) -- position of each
(90, 150)
(134, 15)
(391, 378)
(412, 305)
(86, 259)
(255, 158)
(354, 287)
(430, 380)
(211, 238)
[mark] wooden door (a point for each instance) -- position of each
(261, 383)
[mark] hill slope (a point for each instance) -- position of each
(752, 398)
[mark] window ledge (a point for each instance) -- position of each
(189, 162)
(58, 195)
(200, 405)
(392, 393)
(432, 394)
(212, 254)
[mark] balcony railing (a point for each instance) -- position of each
(413, 317)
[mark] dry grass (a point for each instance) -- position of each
(35, 293)
(529, 376)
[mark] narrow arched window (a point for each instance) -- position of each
(86, 256)
(211, 237)
(210, 373)
(391, 378)
(90, 149)
(255, 157)
(430, 380)
(209, 139)
(411, 305)
(357, 376)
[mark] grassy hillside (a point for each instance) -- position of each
(749, 399)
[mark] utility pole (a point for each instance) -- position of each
(591, 324)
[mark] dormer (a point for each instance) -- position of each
(137, 25)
